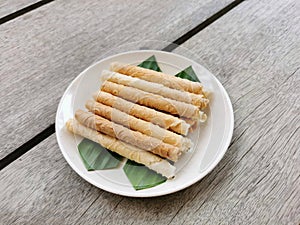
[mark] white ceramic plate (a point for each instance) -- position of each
(211, 139)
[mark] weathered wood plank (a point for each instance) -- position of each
(40, 187)
(42, 51)
(253, 50)
(10, 6)
(258, 182)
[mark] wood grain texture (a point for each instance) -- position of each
(254, 52)
(258, 180)
(44, 50)
(10, 6)
(41, 188)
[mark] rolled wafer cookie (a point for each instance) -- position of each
(152, 100)
(161, 119)
(136, 124)
(122, 133)
(193, 123)
(157, 77)
(133, 153)
(159, 89)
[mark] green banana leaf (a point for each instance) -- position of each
(151, 64)
(188, 74)
(96, 157)
(141, 177)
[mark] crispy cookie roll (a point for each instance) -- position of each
(136, 124)
(157, 77)
(131, 137)
(161, 119)
(152, 100)
(133, 153)
(159, 89)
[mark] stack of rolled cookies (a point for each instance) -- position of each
(142, 115)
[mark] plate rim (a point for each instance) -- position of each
(164, 192)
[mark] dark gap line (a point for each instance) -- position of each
(51, 129)
(201, 26)
(27, 146)
(24, 11)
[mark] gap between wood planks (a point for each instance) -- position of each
(24, 11)
(51, 129)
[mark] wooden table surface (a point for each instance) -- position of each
(252, 47)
